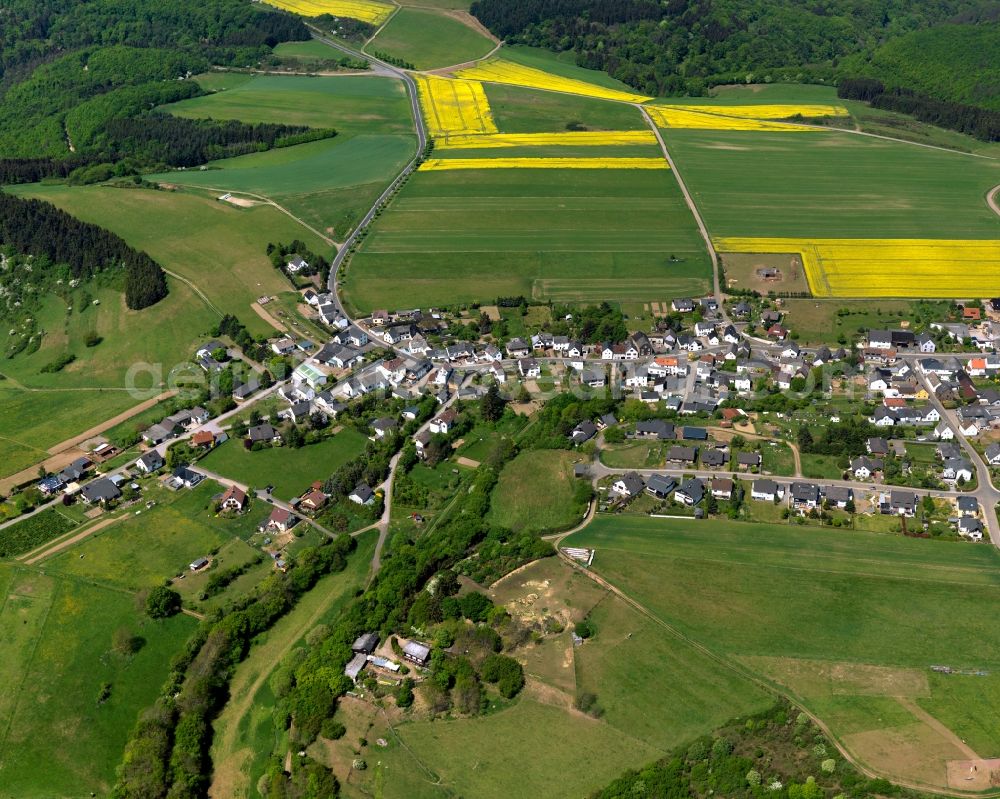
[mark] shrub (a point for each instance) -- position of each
(332, 730)
(828, 766)
(505, 672)
(162, 602)
(585, 628)
(753, 777)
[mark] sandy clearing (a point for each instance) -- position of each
(257, 309)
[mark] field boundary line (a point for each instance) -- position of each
(702, 228)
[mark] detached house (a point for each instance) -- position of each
(629, 485)
(234, 499)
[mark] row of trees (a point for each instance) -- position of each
(34, 227)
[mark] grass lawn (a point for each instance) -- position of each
(358, 104)
(217, 246)
(641, 455)
(821, 466)
(833, 185)
(518, 110)
(821, 322)
(565, 235)
(244, 733)
(823, 613)
(56, 653)
(290, 471)
(429, 40)
(777, 459)
(536, 492)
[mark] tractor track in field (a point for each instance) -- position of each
(991, 199)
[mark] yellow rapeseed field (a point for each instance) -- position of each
(582, 138)
(365, 10)
(454, 107)
(782, 111)
(441, 164)
(500, 71)
(887, 267)
(674, 117)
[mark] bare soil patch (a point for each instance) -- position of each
(909, 752)
(764, 272)
(824, 678)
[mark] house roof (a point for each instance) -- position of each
(363, 492)
(633, 483)
(262, 432)
(100, 490)
(234, 492)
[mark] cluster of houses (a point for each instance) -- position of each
(364, 649)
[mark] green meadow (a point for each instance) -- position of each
(536, 492)
(290, 471)
(217, 246)
(566, 235)
(429, 39)
(833, 185)
(56, 738)
(348, 103)
(826, 616)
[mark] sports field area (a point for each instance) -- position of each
(849, 623)
(562, 234)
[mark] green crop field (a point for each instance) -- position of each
(33, 532)
(565, 235)
(290, 471)
(826, 616)
(517, 110)
(536, 492)
(349, 103)
(833, 185)
(215, 245)
(246, 725)
(56, 739)
(329, 184)
(429, 39)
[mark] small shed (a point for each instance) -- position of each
(356, 665)
(416, 653)
(366, 643)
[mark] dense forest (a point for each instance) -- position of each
(687, 46)
(33, 227)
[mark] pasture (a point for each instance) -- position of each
(429, 39)
(290, 471)
(56, 651)
(536, 492)
(826, 616)
(350, 104)
(566, 235)
(217, 246)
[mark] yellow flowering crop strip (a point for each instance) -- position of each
(454, 107)
(364, 10)
(886, 267)
(442, 164)
(782, 111)
(500, 71)
(673, 117)
(583, 138)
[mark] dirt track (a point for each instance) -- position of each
(68, 542)
(991, 199)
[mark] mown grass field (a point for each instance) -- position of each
(429, 39)
(350, 104)
(566, 235)
(536, 492)
(290, 471)
(56, 651)
(826, 616)
(217, 246)
(244, 733)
